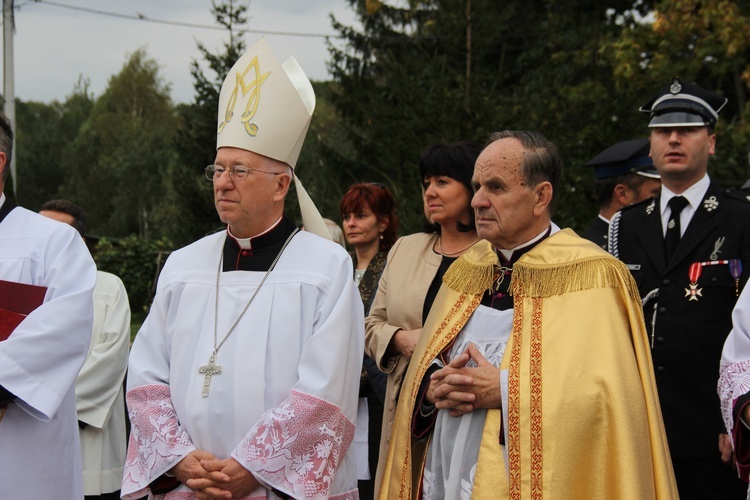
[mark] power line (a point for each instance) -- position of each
(141, 17)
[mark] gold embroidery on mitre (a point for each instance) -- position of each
(253, 86)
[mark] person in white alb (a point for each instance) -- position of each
(39, 361)
(243, 381)
(100, 397)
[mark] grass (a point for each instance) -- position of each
(136, 320)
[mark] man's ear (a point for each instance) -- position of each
(621, 194)
(282, 186)
(712, 144)
(543, 197)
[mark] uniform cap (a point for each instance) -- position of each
(627, 157)
(684, 104)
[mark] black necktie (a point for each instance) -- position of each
(672, 236)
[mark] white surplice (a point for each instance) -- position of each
(100, 398)
(453, 451)
(734, 379)
(285, 403)
(39, 362)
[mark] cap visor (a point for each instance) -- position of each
(677, 119)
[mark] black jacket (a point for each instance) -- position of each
(597, 232)
(688, 335)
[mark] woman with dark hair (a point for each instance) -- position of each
(415, 268)
(370, 226)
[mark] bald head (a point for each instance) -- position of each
(514, 184)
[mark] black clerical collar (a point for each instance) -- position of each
(258, 241)
(499, 296)
(263, 248)
(517, 252)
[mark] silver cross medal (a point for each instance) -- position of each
(209, 371)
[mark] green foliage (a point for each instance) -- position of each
(43, 132)
(189, 197)
(136, 261)
(704, 42)
(417, 72)
(115, 166)
(420, 72)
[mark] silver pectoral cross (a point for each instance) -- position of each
(209, 371)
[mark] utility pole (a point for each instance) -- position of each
(8, 79)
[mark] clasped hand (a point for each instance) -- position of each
(462, 389)
(212, 478)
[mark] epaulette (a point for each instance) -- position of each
(737, 194)
(638, 204)
(645, 207)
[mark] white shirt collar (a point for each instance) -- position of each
(604, 218)
(693, 194)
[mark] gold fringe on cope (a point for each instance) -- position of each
(469, 277)
(531, 280)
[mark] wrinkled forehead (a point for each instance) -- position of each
(503, 157)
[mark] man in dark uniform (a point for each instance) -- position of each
(624, 174)
(689, 251)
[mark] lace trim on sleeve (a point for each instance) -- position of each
(734, 381)
(298, 446)
(157, 442)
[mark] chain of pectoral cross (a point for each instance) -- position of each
(211, 369)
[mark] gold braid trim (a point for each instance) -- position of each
(474, 272)
(532, 280)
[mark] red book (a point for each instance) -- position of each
(17, 300)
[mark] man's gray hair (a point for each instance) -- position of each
(541, 162)
(6, 142)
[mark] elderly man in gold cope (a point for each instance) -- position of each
(536, 379)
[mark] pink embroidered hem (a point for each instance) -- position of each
(189, 495)
(298, 446)
(157, 442)
(734, 381)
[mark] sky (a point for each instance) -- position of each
(55, 43)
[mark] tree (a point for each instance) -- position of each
(443, 70)
(116, 165)
(704, 42)
(43, 132)
(189, 197)
(400, 86)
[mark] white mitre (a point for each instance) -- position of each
(266, 108)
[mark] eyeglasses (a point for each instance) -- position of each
(237, 173)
